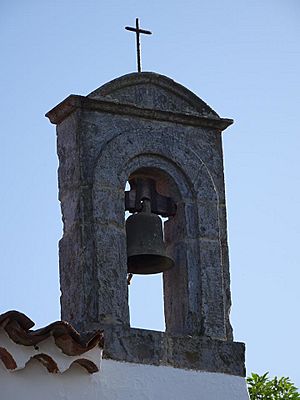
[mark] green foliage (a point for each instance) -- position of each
(264, 388)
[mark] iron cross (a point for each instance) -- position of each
(138, 31)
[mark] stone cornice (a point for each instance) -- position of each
(75, 102)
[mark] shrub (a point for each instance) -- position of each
(261, 387)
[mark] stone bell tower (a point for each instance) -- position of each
(144, 127)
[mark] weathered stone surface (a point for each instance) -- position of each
(153, 91)
(148, 125)
(209, 226)
(213, 304)
(158, 348)
(103, 212)
(68, 153)
(111, 274)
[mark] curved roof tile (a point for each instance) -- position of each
(18, 328)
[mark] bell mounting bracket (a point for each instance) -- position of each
(145, 188)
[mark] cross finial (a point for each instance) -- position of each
(137, 30)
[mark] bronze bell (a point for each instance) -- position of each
(145, 246)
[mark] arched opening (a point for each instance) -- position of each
(145, 292)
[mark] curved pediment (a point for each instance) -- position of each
(153, 91)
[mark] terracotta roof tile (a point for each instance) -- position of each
(18, 328)
(17, 325)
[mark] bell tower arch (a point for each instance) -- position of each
(146, 126)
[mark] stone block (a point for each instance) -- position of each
(223, 222)
(70, 208)
(159, 348)
(111, 274)
(108, 206)
(68, 153)
(212, 290)
(208, 220)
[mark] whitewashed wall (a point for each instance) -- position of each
(119, 381)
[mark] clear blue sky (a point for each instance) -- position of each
(243, 59)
